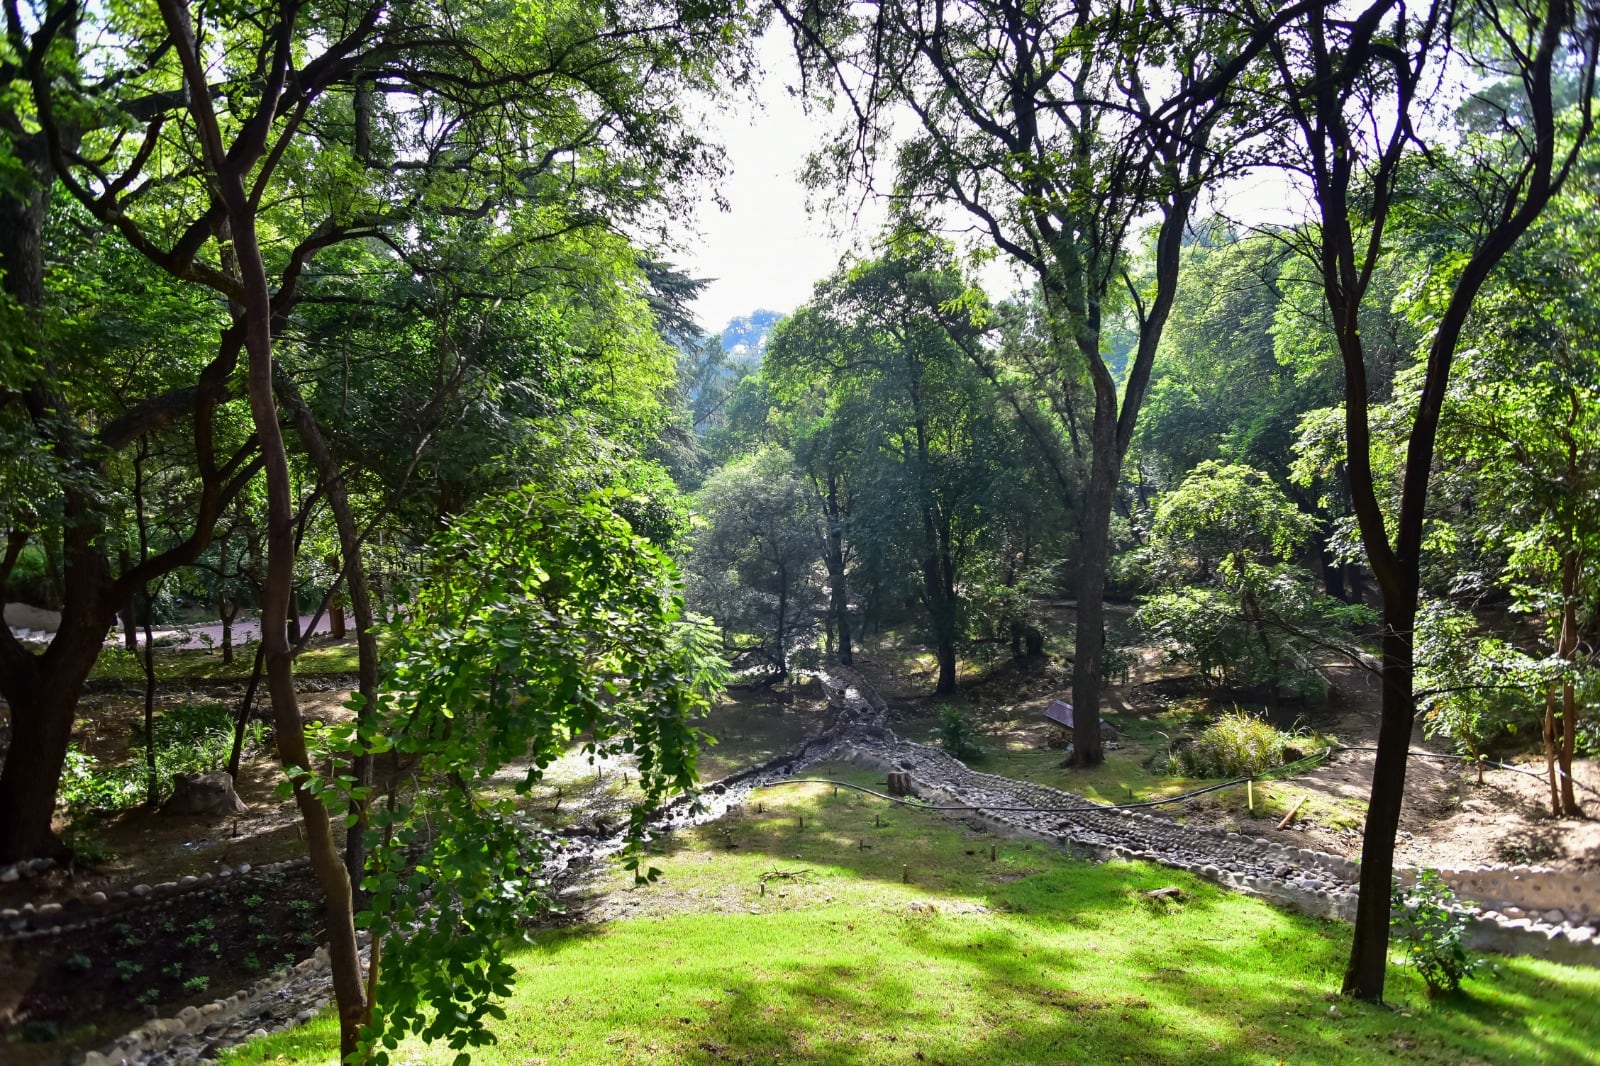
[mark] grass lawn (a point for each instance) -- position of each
(881, 934)
(205, 664)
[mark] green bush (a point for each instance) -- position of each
(957, 735)
(1235, 745)
(191, 738)
(1431, 931)
(29, 581)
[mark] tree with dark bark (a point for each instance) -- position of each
(1354, 86)
(1060, 129)
(911, 434)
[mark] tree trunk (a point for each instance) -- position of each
(939, 593)
(1548, 731)
(226, 610)
(838, 591)
(1565, 739)
(42, 691)
(41, 727)
(354, 572)
(1369, 953)
(1093, 559)
(149, 661)
(229, 170)
(242, 719)
(780, 651)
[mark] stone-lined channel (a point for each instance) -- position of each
(1516, 910)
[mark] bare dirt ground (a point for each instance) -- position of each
(1449, 820)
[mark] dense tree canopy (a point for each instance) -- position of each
(372, 307)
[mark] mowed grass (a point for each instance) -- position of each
(903, 942)
(205, 664)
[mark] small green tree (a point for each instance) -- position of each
(1232, 601)
(752, 555)
(1471, 688)
(543, 622)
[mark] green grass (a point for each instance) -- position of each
(1033, 957)
(203, 664)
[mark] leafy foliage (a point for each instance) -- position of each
(1232, 602)
(190, 738)
(1432, 931)
(957, 735)
(542, 622)
(1472, 688)
(752, 556)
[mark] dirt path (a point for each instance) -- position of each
(1449, 820)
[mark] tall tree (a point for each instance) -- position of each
(474, 115)
(1353, 86)
(751, 560)
(885, 339)
(1059, 128)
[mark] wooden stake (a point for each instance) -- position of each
(877, 821)
(905, 873)
(802, 821)
(1250, 793)
(991, 853)
(763, 888)
(1292, 812)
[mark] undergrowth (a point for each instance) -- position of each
(1236, 745)
(190, 738)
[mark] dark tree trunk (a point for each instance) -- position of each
(354, 573)
(227, 610)
(781, 652)
(939, 595)
(838, 591)
(129, 617)
(242, 719)
(1369, 951)
(41, 726)
(1094, 557)
(149, 661)
(42, 691)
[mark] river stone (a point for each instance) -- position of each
(204, 794)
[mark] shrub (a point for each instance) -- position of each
(957, 735)
(1431, 931)
(1235, 745)
(191, 738)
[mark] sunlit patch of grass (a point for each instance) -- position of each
(205, 664)
(917, 948)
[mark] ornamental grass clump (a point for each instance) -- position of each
(1235, 745)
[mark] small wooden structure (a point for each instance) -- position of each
(1060, 712)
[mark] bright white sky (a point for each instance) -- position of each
(767, 252)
